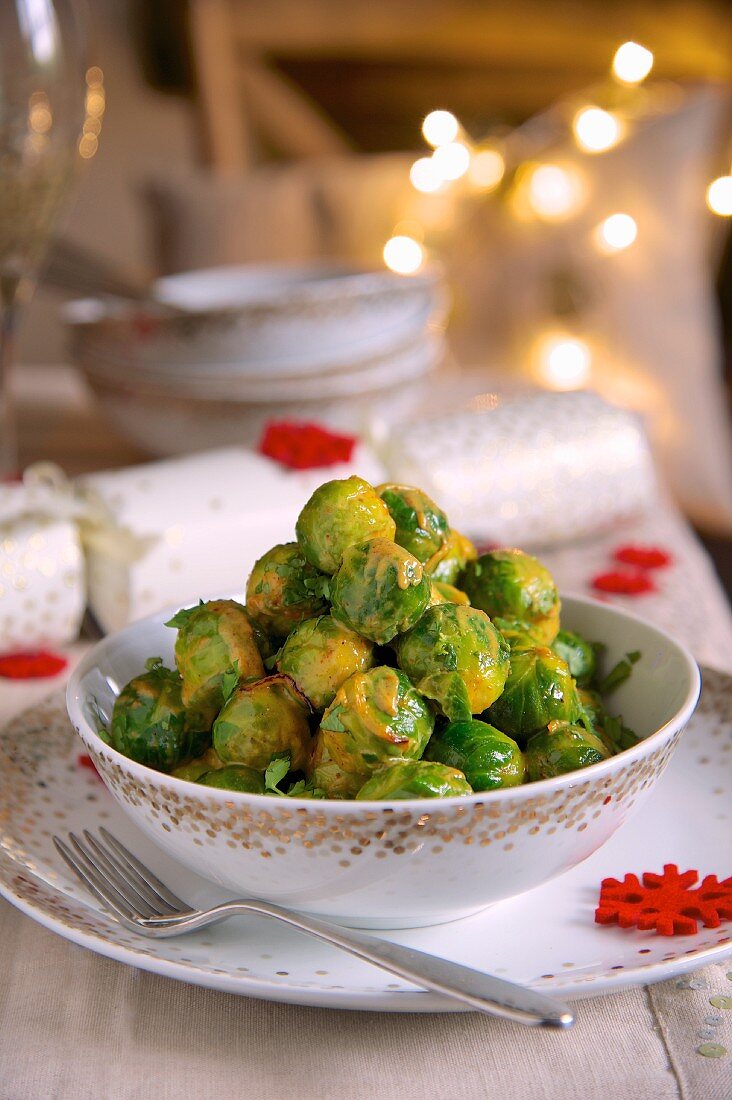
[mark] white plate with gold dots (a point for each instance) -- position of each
(546, 938)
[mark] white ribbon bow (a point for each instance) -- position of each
(46, 493)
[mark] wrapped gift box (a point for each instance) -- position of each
(534, 470)
(169, 532)
(42, 593)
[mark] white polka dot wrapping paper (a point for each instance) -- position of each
(42, 589)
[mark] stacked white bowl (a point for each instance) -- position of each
(252, 343)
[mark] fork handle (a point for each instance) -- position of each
(481, 991)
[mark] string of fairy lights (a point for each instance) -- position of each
(520, 168)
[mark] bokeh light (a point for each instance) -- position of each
(95, 105)
(486, 169)
(440, 128)
(403, 255)
(596, 130)
(616, 233)
(451, 161)
(719, 196)
(632, 63)
(562, 361)
(40, 118)
(424, 177)
(554, 192)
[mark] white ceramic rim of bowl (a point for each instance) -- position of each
(402, 364)
(523, 791)
(301, 283)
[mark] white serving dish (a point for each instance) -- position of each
(280, 321)
(406, 863)
(404, 364)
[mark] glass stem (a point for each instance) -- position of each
(8, 437)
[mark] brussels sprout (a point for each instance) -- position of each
(209, 762)
(456, 657)
(446, 593)
(563, 747)
(611, 730)
(421, 528)
(592, 707)
(338, 515)
(539, 690)
(261, 720)
(447, 563)
(519, 635)
(320, 654)
(413, 779)
(380, 590)
(234, 777)
(375, 715)
(150, 723)
(513, 585)
(215, 647)
(487, 757)
(579, 655)
(283, 590)
(266, 643)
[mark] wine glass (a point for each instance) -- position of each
(42, 93)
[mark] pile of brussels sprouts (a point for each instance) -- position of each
(377, 657)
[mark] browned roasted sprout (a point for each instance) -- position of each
(263, 719)
(375, 716)
(216, 646)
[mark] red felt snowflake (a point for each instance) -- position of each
(624, 582)
(644, 557)
(31, 664)
(665, 902)
(302, 446)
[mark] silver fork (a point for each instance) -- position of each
(144, 904)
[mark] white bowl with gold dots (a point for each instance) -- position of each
(405, 863)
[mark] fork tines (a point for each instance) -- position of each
(118, 879)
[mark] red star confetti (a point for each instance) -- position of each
(624, 582)
(665, 902)
(304, 446)
(643, 557)
(31, 665)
